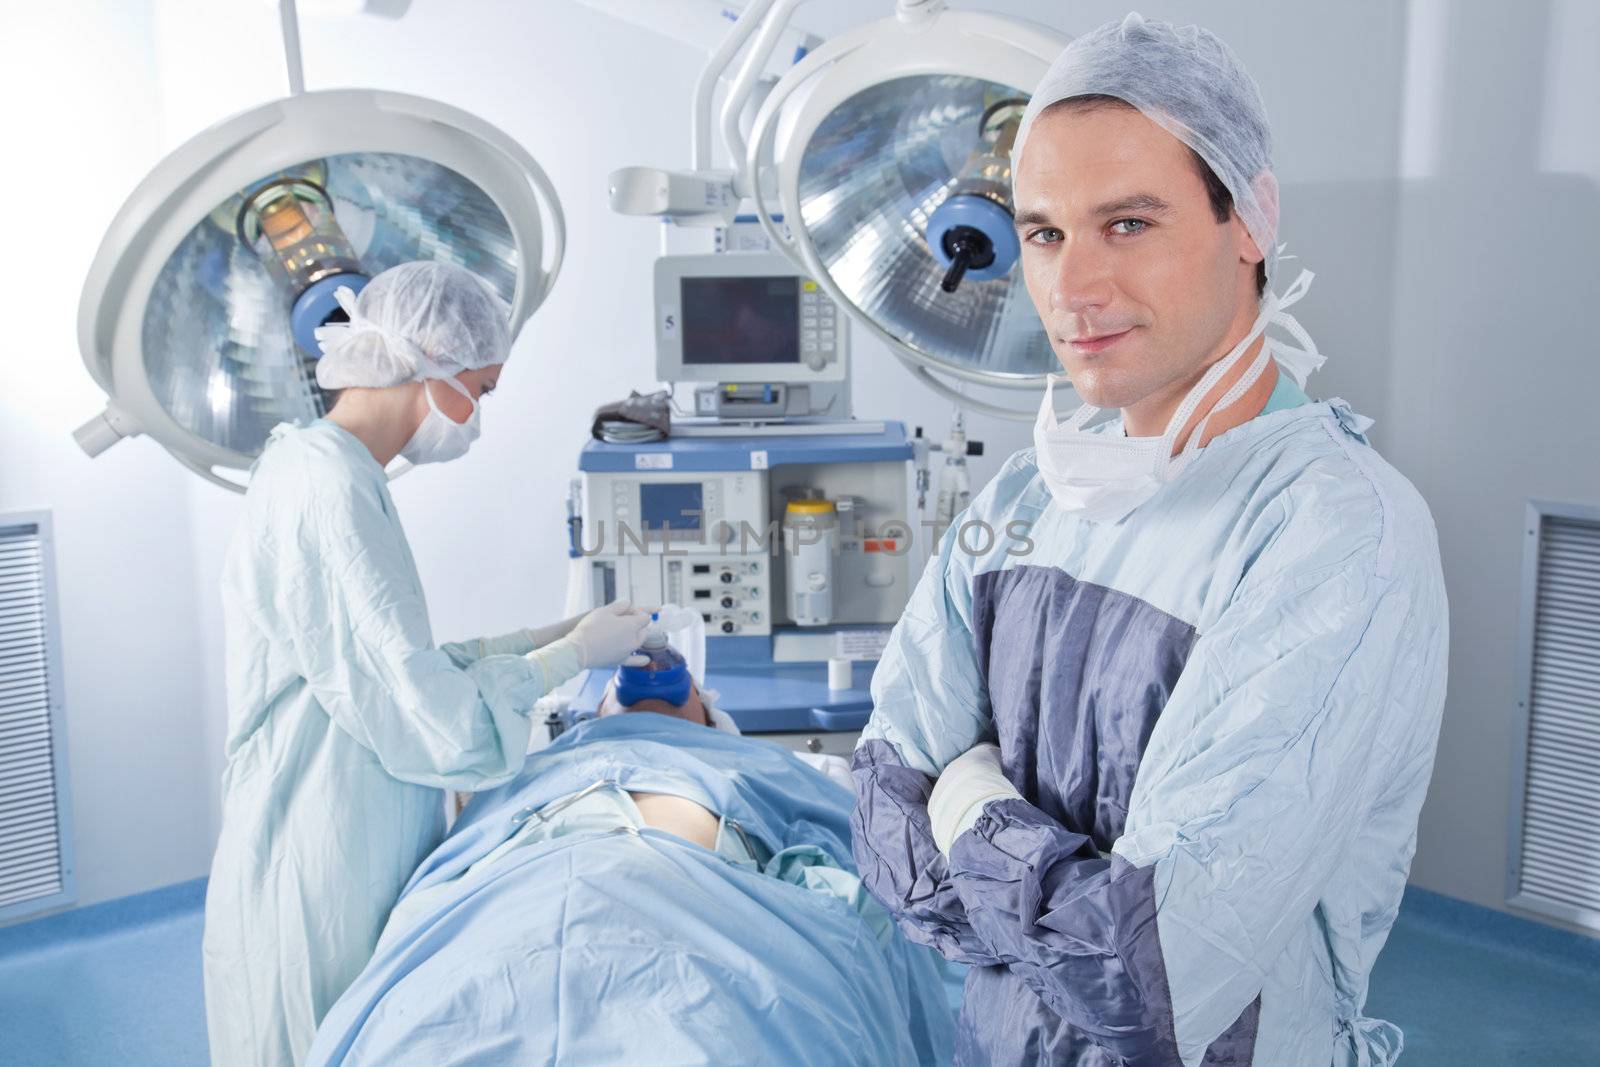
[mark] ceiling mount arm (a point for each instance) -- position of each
(289, 24)
(705, 89)
(755, 61)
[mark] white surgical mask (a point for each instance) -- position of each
(1104, 477)
(440, 438)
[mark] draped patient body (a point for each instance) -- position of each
(647, 890)
(673, 814)
(678, 816)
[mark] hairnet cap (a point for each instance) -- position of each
(1192, 85)
(414, 321)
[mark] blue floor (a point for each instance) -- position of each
(119, 983)
(1471, 986)
(115, 983)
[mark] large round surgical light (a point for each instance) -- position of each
(197, 318)
(889, 152)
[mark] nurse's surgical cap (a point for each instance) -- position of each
(414, 321)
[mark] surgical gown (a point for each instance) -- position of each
(345, 722)
(1221, 715)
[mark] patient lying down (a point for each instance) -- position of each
(647, 890)
(679, 815)
(673, 814)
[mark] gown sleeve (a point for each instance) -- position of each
(350, 602)
(930, 704)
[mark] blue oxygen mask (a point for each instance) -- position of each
(656, 671)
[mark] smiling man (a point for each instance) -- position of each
(1157, 777)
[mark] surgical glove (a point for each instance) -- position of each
(521, 642)
(516, 643)
(607, 636)
(970, 781)
(544, 635)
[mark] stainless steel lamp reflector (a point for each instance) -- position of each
(887, 129)
(218, 350)
(871, 175)
(233, 247)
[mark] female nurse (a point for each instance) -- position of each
(345, 720)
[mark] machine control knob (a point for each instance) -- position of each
(727, 602)
(813, 744)
(729, 626)
(727, 577)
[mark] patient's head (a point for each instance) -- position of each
(691, 710)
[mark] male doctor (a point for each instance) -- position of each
(1154, 769)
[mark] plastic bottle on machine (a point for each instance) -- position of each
(955, 483)
(656, 671)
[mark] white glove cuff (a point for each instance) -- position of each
(971, 780)
(519, 643)
(544, 635)
(559, 662)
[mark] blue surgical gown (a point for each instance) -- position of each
(1221, 714)
(345, 722)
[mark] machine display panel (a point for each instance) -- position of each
(672, 505)
(741, 320)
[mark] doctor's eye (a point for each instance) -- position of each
(1129, 227)
(1044, 235)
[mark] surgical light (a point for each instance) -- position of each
(880, 164)
(972, 233)
(889, 152)
(290, 223)
(199, 311)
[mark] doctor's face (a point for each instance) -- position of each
(1137, 284)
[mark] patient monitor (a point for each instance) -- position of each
(790, 527)
(760, 340)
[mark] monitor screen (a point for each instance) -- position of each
(673, 505)
(741, 320)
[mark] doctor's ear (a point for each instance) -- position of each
(1225, 212)
(1250, 252)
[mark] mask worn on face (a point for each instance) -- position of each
(1105, 477)
(440, 438)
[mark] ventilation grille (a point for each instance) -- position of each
(1559, 862)
(33, 871)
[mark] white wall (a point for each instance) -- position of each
(1437, 300)
(80, 108)
(1495, 366)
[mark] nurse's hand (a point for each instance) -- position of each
(607, 636)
